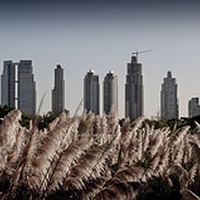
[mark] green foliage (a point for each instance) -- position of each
(44, 121)
(25, 121)
(4, 110)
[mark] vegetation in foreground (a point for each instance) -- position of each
(92, 157)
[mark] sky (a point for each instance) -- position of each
(101, 35)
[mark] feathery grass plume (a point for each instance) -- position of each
(96, 129)
(86, 124)
(182, 174)
(129, 174)
(52, 125)
(155, 142)
(124, 142)
(19, 175)
(9, 129)
(129, 141)
(67, 160)
(146, 135)
(15, 155)
(163, 163)
(94, 187)
(178, 154)
(153, 165)
(12, 160)
(191, 175)
(198, 126)
(112, 121)
(120, 191)
(136, 124)
(196, 150)
(135, 149)
(179, 135)
(188, 195)
(187, 150)
(176, 144)
(102, 136)
(29, 154)
(91, 165)
(57, 139)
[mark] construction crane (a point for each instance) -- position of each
(138, 52)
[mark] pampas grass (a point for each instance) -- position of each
(92, 157)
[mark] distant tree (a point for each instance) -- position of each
(4, 110)
(25, 122)
(45, 120)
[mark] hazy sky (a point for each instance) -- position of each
(100, 35)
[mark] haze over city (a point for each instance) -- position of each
(101, 35)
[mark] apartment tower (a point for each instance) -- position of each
(26, 87)
(169, 100)
(58, 92)
(110, 93)
(18, 88)
(91, 92)
(193, 107)
(8, 84)
(134, 103)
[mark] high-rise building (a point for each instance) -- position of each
(134, 103)
(18, 87)
(26, 87)
(8, 84)
(110, 92)
(58, 92)
(193, 107)
(169, 100)
(91, 92)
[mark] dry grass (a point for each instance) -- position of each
(92, 157)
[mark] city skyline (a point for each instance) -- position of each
(102, 35)
(21, 72)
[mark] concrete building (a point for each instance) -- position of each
(169, 100)
(26, 87)
(18, 88)
(58, 92)
(193, 107)
(134, 102)
(91, 92)
(8, 84)
(110, 92)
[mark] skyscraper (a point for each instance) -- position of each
(58, 92)
(8, 84)
(169, 100)
(18, 86)
(91, 92)
(193, 107)
(26, 88)
(134, 104)
(110, 92)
